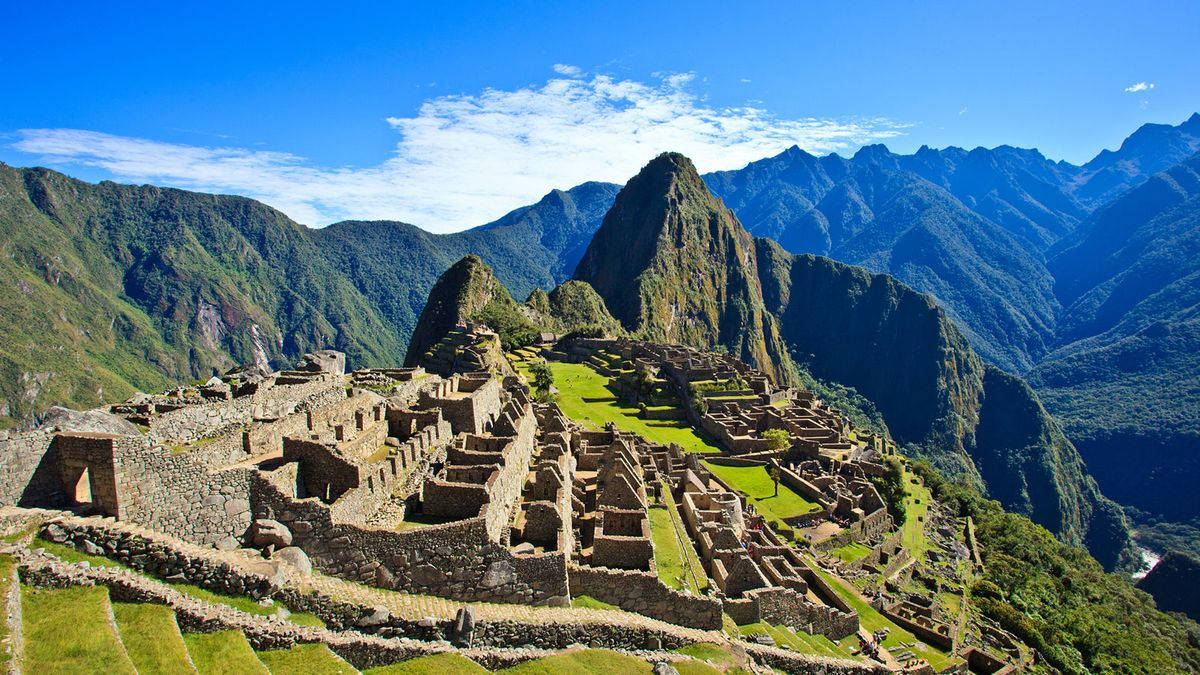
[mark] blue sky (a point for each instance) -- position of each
(449, 114)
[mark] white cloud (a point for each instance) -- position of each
(568, 70)
(1139, 86)
(744, 80)
(467, 159)
(963, 111)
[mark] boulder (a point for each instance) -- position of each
(664, 668)
(324, 361)
(296, 557)
(58, 418)
(266, 532)
(377, 617)
(226, 544)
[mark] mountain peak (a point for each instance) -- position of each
(671, 261)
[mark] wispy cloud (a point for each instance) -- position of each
(963, 111)
(467, 159)
(744, 80)
(568, 70)
(1139, 86)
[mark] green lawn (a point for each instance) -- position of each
(448, 663)
(851, 552)
(223, 653)
(313, 658)
(583, 662)
(756, 482)
(151, 638)
(576, 382)
(68, 631)
(873, 621)
(677, 563)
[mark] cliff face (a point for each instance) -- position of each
(674, 265)
(938, 398)
(1172, 582)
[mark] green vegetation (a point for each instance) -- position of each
(873, 621)
(915, 506)
(313, 658)
(449, 663)
(851, 552)
(1058, 599)
(674, 555)
(151, 638)
(756, 482)
(71, 555)
(6, 568)
(798, 641)
(69, 631)
(892, 489)
(582, 662)
(543, 379)
(223, 653)
(588, 602)
(584, 396)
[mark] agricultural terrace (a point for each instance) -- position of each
(756, 483)
(584, 396)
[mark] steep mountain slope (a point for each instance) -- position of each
(116, 287)
(672, 263)
(468, 291)
(1172, 582)
(1125, 379)
(898, 348)
(395, 264)
(870, 332)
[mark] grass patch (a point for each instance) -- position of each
(6, 568)
(223, 653)
(151, 638)
(584, 396)
(677, 563)
(588, 602)
(757, 483)
(851, 552)
(707, 651)
(916, 505)
(582, 661)
(68, 631)
(448, 663)
(313, 658)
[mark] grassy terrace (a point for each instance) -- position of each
(851, 552)
(68, 631)
(151, 638)
(757, 483)
(916, 504)
(305, 658)
(584, 396)
(223, 653)
(798, 641)
(674, 556)
(872, 621)
(449, 664)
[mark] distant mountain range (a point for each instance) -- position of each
(1080, 277)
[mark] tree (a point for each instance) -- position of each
(543, 379)
(778, 440)
(644, 378)
(776, 474)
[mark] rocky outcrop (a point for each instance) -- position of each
(58, 418)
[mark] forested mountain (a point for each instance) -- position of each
(115, 288)
(870, 332)
(1125, 378)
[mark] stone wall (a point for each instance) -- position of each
(28, 470)
(785, 606)
(194, 422)
(644, 593)
(457, 560)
